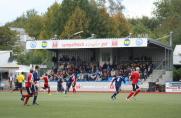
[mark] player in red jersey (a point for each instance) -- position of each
(135, 76)
(74, 80)
(28, 86)
(46, 85)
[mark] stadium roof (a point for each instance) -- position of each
(158, 43)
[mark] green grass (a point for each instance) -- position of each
(91, 105)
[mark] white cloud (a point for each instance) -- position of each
(138, 8)
(11, 9)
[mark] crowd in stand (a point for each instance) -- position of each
(94, 72)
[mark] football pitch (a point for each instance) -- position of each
(91, 105)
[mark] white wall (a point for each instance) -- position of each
(177, 55)
(4, 56)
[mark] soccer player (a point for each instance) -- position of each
(20, 79)
(74, 80)
(11, 79)
(118, 79)
(36, 79)
(60, 81)
(68, 83)
(135, 76)
(46, 85)
(28, 86)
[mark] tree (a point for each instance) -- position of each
(34, 26)
(66, 10)
(7, 38)
(35, 57)
(101, 3)
(51, 20)
(144, 26)
(177, 74)
(100, 24)
(120, 26)
(168, 12)
(78, 21)
(33, 23)
(115, 7)
(19, 22)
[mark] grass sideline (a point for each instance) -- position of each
(91, 105)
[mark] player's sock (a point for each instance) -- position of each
(130, 94)
(26, 100)
(114, 96)
(74, 90)
(48, 90)
(66, 91)
(22, 98)
(137, 92)
(34, 99)
(21, 91)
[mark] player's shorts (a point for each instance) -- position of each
(29, 91)
(19, 85)
(34, 89)
(46, 86)
(68, 85)
(118, 88)
(73, 85)
(135, 87)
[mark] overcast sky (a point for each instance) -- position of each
(11, 9)
(138, 8)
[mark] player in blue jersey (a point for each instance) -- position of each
(36, 78)
(69, 81)
(118, 79)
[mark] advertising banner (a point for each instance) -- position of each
(87, 43)
(173, 86)
(93, 86)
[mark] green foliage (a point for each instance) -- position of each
(66, 10)
(78, 21)
(144, 26)
(7, 38)
(102, 26)
(177, 74)
(34, 26)
(167, 18)
(69, 17)
(35, 57)
(76, 15)
(120, 26)
(115, 6)
(19, 22)
(168, 13)
(51, 21)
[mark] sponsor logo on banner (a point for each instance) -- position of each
(33, 44)
(44, 44)
(139, 42)
(115, 43)
(54, 44)
(127, 42)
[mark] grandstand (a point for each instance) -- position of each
(117, 53)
